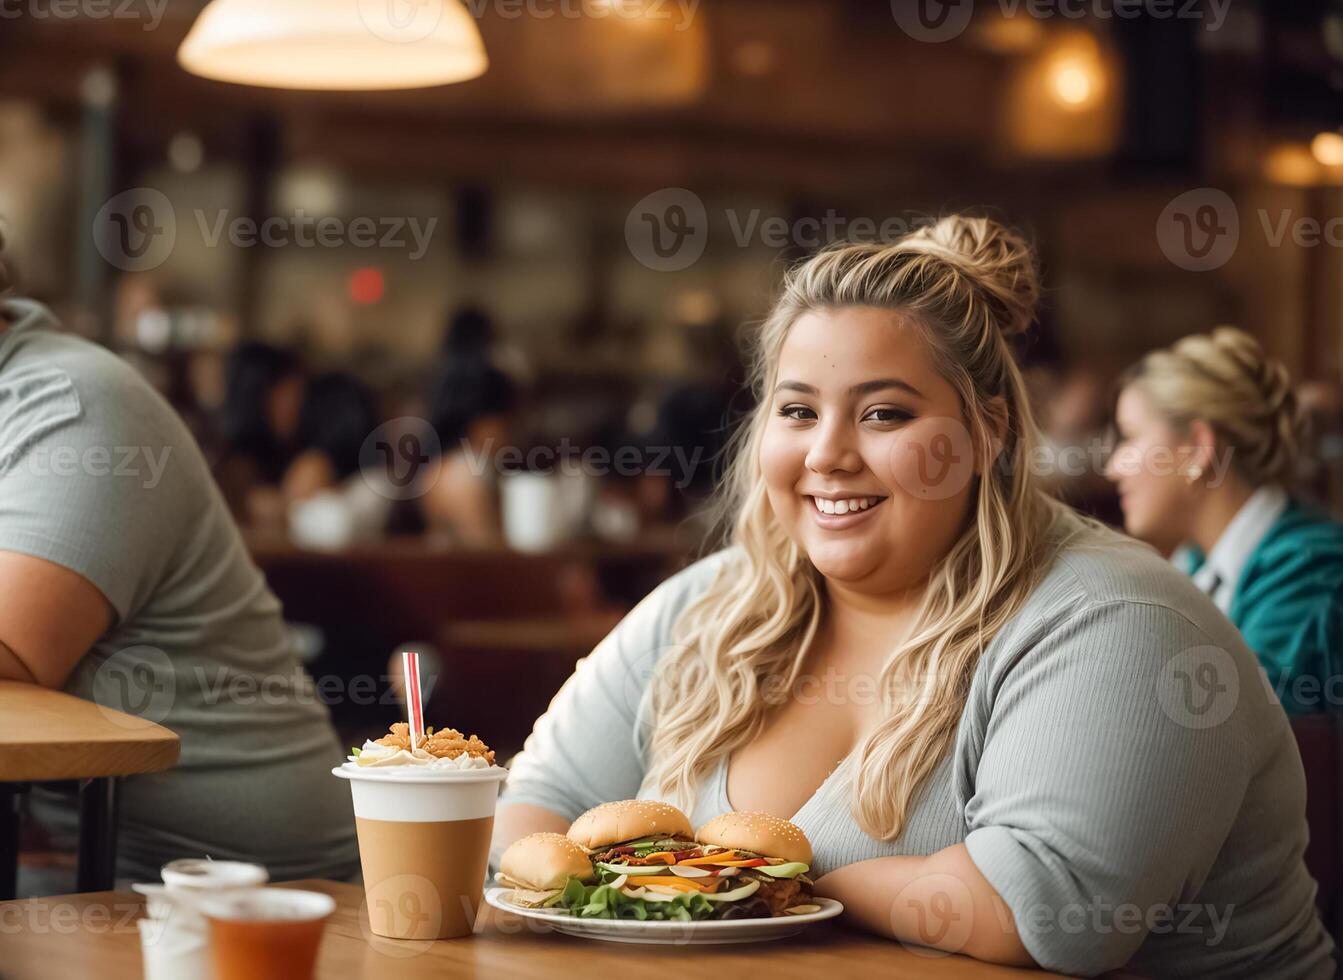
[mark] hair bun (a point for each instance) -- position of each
(999, 262)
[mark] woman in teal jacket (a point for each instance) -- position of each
(1209, 434)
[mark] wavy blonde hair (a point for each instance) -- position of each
(969, 285)
(1226, 379)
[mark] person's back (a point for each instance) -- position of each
(99, 476)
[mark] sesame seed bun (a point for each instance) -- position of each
(763, 833)
(613, 823)
(542, 862)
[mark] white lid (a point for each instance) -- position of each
(196, 874)
(420, 774)
(267, 905)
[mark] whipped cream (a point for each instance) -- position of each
(371, 755)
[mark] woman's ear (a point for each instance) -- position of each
(1199, 450)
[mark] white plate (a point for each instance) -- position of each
(708, 932)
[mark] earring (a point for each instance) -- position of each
(1194, 475)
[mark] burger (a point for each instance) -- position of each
(765, 849)
(645, 863)
(539, 866)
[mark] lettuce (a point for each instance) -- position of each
(603, 901)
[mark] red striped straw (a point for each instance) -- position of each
(410, 669)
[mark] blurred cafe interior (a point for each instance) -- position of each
(464, 358)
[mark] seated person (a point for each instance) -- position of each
(264, 392)
(964, 693)
(470, 407)
(123, 580)
(1210, 435)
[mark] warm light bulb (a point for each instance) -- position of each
(1327, 148)
(1072, 85)
(341, 45)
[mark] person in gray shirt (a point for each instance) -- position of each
(1007, 731)
(123, 580)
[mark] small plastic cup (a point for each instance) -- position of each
(266, 933)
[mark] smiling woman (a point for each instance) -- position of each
(970, 699)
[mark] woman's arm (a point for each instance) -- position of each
(517, 820)
(941, 901)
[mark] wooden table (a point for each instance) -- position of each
(49, 736)
(95, 935)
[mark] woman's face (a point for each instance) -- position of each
(860, 421)
(1145, 468)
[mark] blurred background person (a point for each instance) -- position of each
(470, 407)
(259, 418)
(1209, 436)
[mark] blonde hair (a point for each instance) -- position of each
(969, 285)
(1226, 379)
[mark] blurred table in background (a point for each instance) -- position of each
(508, 625)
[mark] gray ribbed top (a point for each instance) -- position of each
(1121, 775)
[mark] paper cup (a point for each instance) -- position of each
(424, 844)
(266, 933)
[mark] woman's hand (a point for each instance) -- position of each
(940, 901)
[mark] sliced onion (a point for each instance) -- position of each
(619, 882)
(690, 872)
(639, 892)
(728, 872)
